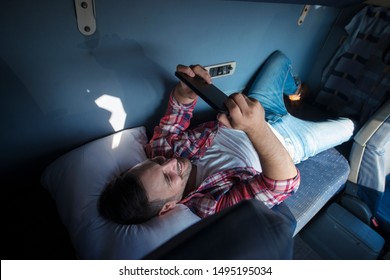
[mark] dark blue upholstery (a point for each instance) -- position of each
(383, 213)
(322, 176)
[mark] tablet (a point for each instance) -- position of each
(208, 92)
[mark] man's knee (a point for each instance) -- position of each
(278, 57)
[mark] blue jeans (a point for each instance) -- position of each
(306, 138)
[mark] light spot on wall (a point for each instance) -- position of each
(118, 115)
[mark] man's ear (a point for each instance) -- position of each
(167, 206)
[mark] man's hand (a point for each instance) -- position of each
(245, 114)
(182, 93)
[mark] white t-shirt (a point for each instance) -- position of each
(230, 148)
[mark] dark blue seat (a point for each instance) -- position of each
(322, 177)
(370, 166)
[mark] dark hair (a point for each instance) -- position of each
(125, 201)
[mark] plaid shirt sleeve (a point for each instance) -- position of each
(270, 192)
(172, 138)
(229, 187)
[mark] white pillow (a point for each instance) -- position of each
(75, 181)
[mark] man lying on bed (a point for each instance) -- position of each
(249, 154)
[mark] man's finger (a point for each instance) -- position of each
(223, 118)
(185, 69)
(252, 101)
(201, 72)
(240, 100)
(233, 108)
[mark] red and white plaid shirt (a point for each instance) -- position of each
(173, 138)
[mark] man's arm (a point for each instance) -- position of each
(171, 137)
(247, 115)
(182, 93)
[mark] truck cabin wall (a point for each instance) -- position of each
(53, 78)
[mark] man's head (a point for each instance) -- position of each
(151, 188)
